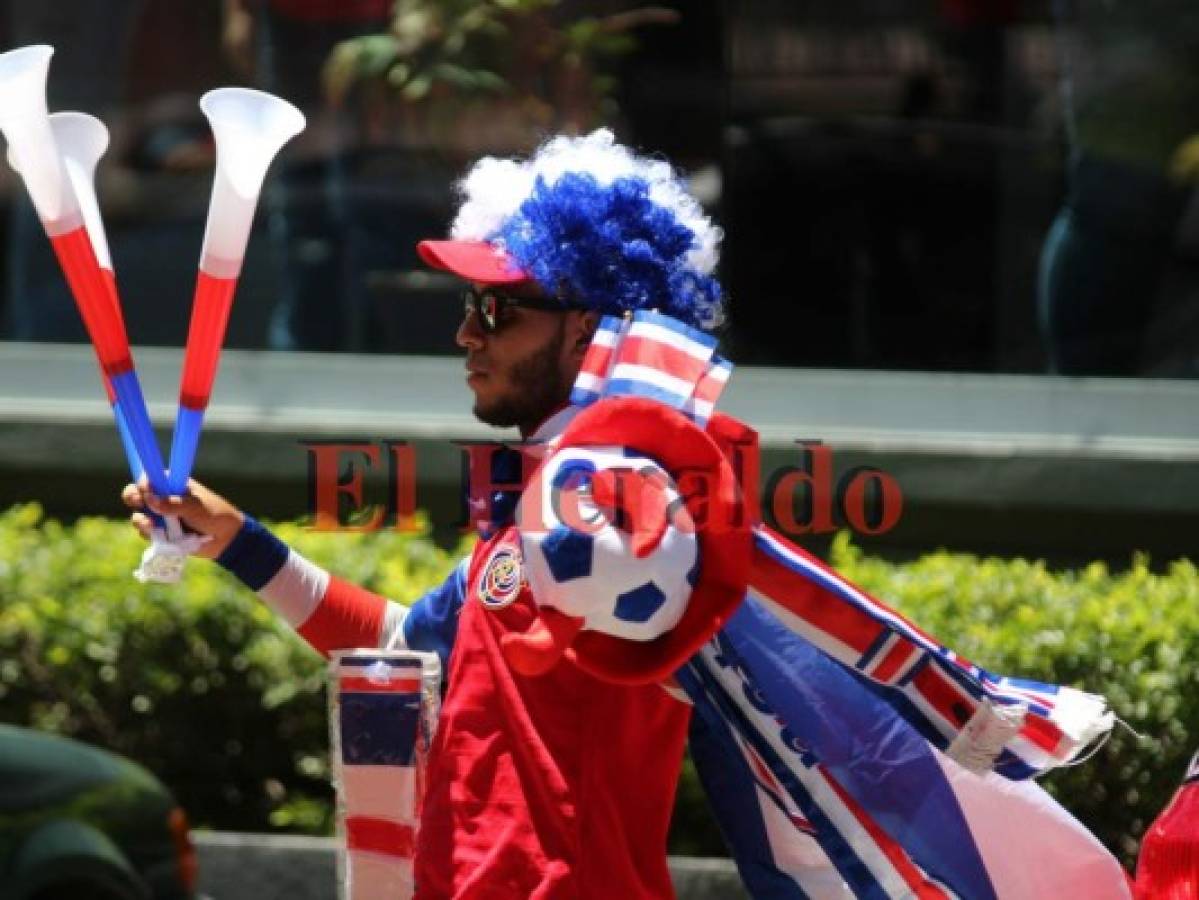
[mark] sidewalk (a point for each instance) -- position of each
(236, 866)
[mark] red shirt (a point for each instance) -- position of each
(559, 786)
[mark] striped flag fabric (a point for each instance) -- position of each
(702, 402)
(597, 361)
(825, 791)
(659, 358)
(383, 707)
(651, 355)
(983, 721)
(775, 846)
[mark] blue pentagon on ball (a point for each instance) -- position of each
(640, 603)
(567, 553)
(572, 473)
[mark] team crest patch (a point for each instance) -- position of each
(502, 577)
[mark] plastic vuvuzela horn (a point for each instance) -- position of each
(250, 128)
(82, 140)
(34, 151)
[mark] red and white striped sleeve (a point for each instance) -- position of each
(328, 612)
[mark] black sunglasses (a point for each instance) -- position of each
(489, 305)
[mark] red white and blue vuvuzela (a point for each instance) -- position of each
(250, 127)
(34, 153)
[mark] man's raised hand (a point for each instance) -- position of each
(200, 510)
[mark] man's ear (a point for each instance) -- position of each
(584, 332)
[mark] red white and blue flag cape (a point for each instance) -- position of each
(845, 751)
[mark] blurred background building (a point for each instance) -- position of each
(967, 190)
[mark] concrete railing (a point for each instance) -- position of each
(236, 866)
(1075, 468)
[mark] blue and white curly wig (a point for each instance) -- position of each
(592, 222)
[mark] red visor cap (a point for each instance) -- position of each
(476, 261)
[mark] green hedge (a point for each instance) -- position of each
(201, 683)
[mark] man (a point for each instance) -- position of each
(844, 751)
(558, 785)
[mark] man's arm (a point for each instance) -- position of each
(328, 612)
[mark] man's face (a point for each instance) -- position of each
(523, 371)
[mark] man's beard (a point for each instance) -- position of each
(538, 388)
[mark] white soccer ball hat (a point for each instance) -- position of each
(578, 561)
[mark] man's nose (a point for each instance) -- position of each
(470, 335)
